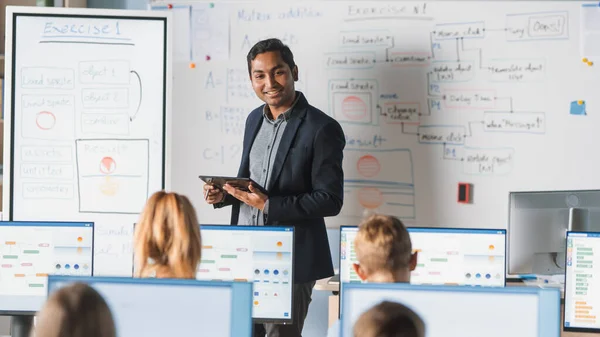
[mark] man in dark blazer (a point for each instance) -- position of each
(295, 152)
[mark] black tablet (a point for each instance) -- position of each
(239, 183)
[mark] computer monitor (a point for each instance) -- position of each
(462, 311)
(582, 285)
(32, 250)
(537, 226)
(450, 256)
(263, 255)
(153, 307)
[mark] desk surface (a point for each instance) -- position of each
(323, 285)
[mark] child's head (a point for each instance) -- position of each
(75, 311)
(384, 250)
(167, 238)
(389, 319)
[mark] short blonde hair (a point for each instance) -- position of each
(382, 243)
(76, 310)
(168, 234)
(389, 319)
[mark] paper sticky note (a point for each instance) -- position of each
(578, 109)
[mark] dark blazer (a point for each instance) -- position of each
(306, 184)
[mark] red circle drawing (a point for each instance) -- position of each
(354, 108)
(107, 165)
(45, 120)
(370, 197)
(368, 166)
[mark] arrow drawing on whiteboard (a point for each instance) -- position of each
(381, 113)
(470, 131)
(462, 44)
(140, 102)
(407, 133)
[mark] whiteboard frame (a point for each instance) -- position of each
(13, 11)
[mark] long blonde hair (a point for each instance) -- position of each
(76, 310)
(167, 238)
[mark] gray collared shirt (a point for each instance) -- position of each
(262, 156)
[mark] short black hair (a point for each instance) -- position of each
(271, 45)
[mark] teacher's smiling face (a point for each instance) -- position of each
(273, 81)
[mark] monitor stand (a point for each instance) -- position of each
(551, 263)
(20, 326)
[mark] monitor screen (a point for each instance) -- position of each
(152, 307)
(30, 251)
(262, 255)
(462, 311)
(451, 256)
(582, 285)
(537, 226)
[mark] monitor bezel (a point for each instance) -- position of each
(261, 320)
(149, 281)
(564, 307)
(552, 293)
(33, 313)
(504, 232)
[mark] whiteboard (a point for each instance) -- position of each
(87, 109)
(429, 94)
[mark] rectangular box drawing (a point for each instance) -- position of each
(49, 117)
(44, 190)
(452, 71)
(524, 122)
(104, 72)
(442, 134)
(401, 112)
(46, 154)
(469, 98)
(353, 107)
(350, 60)
(453, 31)
(106, 124)
(47, 78)
(517, 70)
(365, 39)
(111, 98)
(47, 171)
(409, 59)
(113, 175)
(351, 100)
(544, 26)
(380, 181)
(488, 161)
(537, 26)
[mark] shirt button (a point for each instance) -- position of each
(264, 170)
(268, 147)
(254, 216)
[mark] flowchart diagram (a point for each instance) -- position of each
(452, 68)
(85, 131)
(461, 80)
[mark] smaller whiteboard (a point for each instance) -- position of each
(87, 103)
